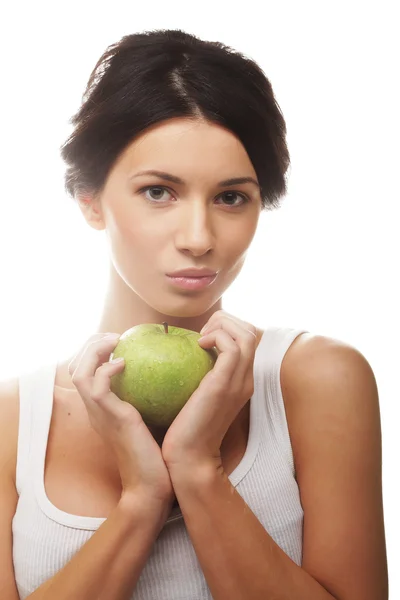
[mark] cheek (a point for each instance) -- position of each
(126, 231)
(236, 244)
(135, 247)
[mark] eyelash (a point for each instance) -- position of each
(162, 187)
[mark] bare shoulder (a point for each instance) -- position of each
(332, 407)
(326, 378)
(9, 421)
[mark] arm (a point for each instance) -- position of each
(9, 417)
(333, 415)
(108, 566)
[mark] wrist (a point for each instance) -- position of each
(143, 505)
(196, 472)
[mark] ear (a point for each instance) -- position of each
(92, 211)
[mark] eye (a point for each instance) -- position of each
(157, 196)
(231, 196)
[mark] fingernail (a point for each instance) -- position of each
(117, 360)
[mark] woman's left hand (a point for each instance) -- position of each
(196, 434)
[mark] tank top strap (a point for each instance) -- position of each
(36, 390)
(276, 342)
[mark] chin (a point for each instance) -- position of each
(185, 308)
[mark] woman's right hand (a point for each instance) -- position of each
(141, 465)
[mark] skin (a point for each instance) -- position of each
(329, 389)
(190, 225)
(154, 232)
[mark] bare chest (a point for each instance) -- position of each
(81, 476)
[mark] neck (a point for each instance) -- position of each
(124, 309)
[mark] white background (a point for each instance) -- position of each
(327, 261)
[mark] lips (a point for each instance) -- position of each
(193, 273)
(192, 283)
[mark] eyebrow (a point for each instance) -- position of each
(178, 180)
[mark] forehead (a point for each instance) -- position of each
(183, 145)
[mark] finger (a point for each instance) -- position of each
(74, 362)
(213, 319)
(220, 316)
(100, 392)
(95, 354)
(244, 337)
(247, 343)
(228, 358)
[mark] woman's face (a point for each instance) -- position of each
(179, 225)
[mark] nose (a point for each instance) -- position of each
(195, 229)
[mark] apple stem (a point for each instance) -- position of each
(165, 326)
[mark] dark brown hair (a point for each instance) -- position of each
(153, 76)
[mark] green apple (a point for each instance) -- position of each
(163, 367)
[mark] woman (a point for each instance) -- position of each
(268, 482)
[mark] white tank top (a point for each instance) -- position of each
(46, 538)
